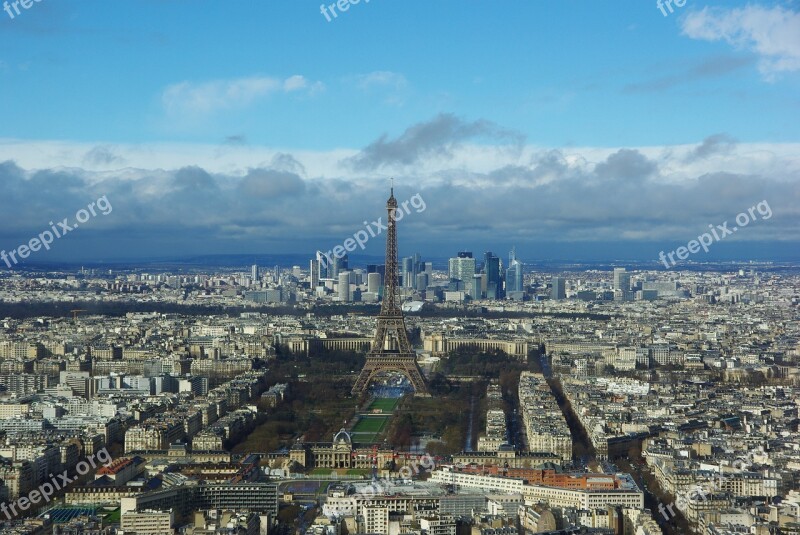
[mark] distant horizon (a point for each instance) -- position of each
(288, 260)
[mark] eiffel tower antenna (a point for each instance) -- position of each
(391, 351)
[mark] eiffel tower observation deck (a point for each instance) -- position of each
(391, 351)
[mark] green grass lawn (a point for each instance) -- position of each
(371, 424)
(359, 472)
(321, 471)
(369, 428)
(366, 438)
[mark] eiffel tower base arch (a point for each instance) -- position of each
(404, 364)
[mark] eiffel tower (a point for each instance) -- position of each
(391, 351)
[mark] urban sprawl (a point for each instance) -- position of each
(619, 401)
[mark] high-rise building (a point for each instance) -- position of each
(514, 277)
(462, 268)
(558, 291)
(477, 286)
(313, 269)
(620, 279)
(622, 285)
(254, 272)
(331, 266)
(324, 264)
(339, 265)
(407, 272)
(344, 287)
(374, 282)
(422, 282)
(410, 267)
(377, 268)
(494, 284)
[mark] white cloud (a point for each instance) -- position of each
(381, 79)
(249, 195)
(209, 97)
(772, 33)
(391, 85)
(294, 83)
(677, 163)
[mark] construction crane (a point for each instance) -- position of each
(75, 313)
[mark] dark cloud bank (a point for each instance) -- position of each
(621, 207)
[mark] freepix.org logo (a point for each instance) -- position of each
(378, 487)
(57, 482)
(373, 229)
(701, 492)
(12, 8)
(706, 239)
(56, 231)
(342, 5)
(664, 5)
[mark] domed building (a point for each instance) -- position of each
(341, 453)
(338, 455)
(342, 439)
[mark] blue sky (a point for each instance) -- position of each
(566, 72)
(477, 102)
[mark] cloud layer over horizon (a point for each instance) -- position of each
(482, 184)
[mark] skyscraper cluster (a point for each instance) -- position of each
(487, 280)
(415, 273)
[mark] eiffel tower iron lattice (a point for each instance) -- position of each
(391, 351)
